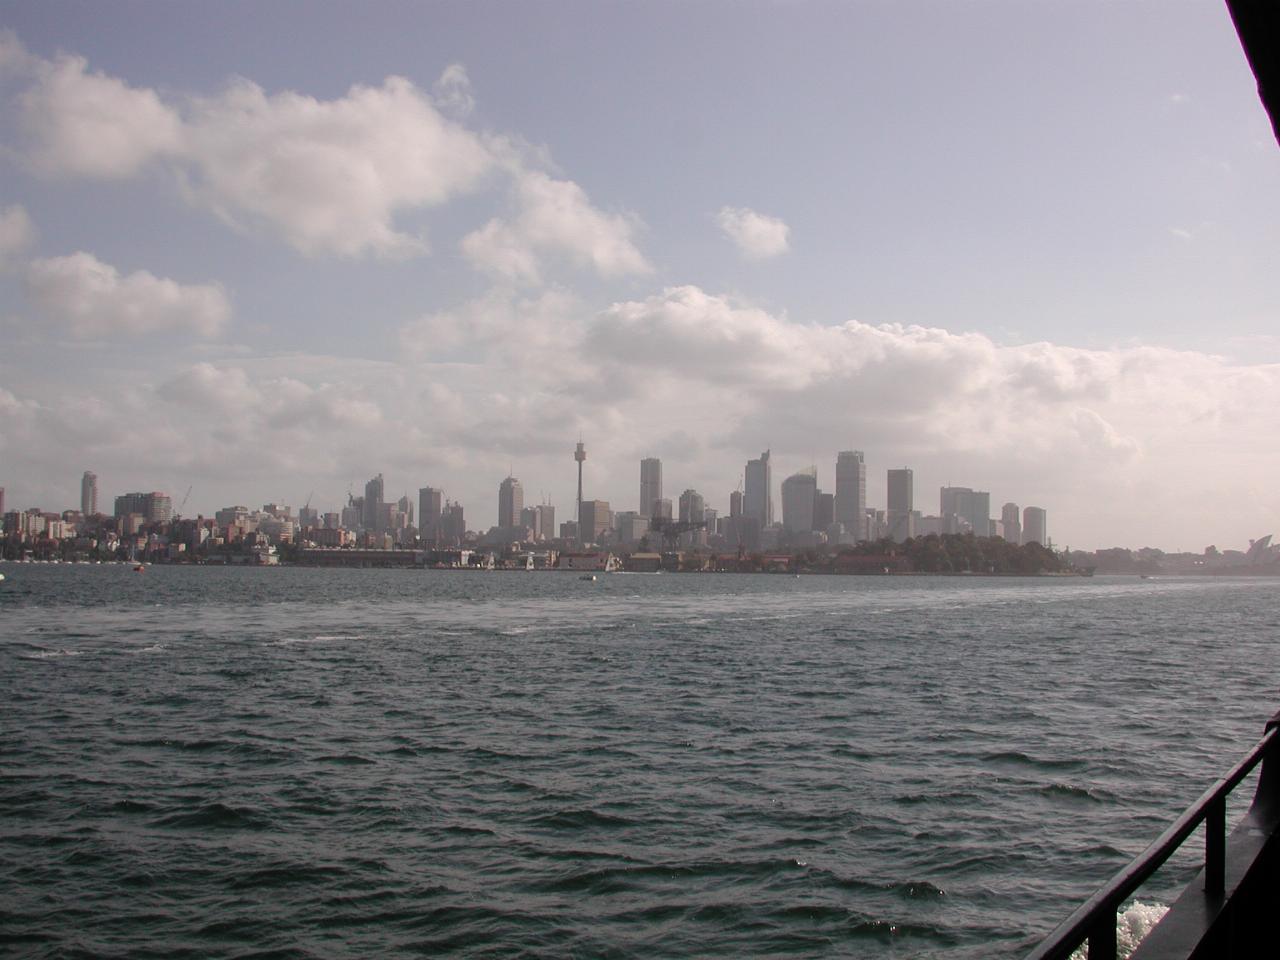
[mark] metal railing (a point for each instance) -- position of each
(1095, 920)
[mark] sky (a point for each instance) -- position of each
(266, 251)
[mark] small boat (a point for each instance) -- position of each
(588, 576)
(139, 568)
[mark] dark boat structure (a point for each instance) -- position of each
(1230, 908)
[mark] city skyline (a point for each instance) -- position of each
(244, 257)
(804, 508)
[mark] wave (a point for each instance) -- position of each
(1019, 759)
(218, 816)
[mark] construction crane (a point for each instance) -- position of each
(177, 514)
(671, 530)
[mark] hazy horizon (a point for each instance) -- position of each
(267, 252)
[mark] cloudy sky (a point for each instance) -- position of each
(268, 250)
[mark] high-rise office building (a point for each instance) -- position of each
(546, 520)
(153, 507)
(1012, 527)
(824, 510)
(373, 500)
(799, 491)
(900, 517)
(510, 502)
(430, 506)
(851, 490)
(692, 507)
(661, 509)
(89, 494)
(453, 524)
(757, 500)
(596, 519)
(1035, 526)
(964, 510)
(735, 504)
(650, 484)
(531, 520)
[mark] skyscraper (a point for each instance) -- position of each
(1035, 526)
(1012, 528)
(430, 505)
(900, 516)
(851, 490)
(799, 493)
(692, 507)
(531, 520)
(89, 494)
(373, 500)
(510, 502)
(758, 497)
(152, 507)
(964, 510)
(596, 518)
(546, 520)
(650, 484)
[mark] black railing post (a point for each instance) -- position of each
(1215, 846)
(1102, 936)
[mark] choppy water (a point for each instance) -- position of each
(287, 762)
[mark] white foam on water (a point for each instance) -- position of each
(48, 654)
(1133, 923)
(318, 638)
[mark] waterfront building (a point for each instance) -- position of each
(89, 494)
(1035, 526)
(900, 516)
(510, 502)
(1012, 531)
(373, 498)
(799, 491)
(650, 484)
(851, 490)
(758, 497)
(430, 506)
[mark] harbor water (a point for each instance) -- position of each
(214, 762)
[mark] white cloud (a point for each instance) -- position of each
(78, 123)
(555, 218)
(16, 235)
(452, 92)
(94, 300)
(330, 176)
(756, 236)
